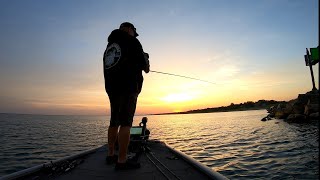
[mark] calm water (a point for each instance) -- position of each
(235, 144)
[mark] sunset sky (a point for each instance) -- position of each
(51, 52)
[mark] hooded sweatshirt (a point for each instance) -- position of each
(126, 75)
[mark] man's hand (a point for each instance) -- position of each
(147, 67)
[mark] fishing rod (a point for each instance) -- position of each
(182, 76)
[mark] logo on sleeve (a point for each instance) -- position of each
(112, 55)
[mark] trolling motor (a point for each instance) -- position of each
(139, 136)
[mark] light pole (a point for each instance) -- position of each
(311, 71)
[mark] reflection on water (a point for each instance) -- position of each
(236, 144)
(29, 140)
(240, 146)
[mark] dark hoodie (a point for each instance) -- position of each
(126, 76)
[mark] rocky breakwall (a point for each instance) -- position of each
(302, 109)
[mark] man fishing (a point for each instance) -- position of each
(123, 61)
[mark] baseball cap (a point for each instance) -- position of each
(127, 24)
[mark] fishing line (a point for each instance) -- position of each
(182, 76)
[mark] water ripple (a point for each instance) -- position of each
(236, 144)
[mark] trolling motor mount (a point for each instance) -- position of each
(139, 136)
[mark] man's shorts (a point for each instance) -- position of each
(123, 107)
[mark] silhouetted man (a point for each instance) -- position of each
(123, 63)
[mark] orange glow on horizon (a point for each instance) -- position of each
(178, 97)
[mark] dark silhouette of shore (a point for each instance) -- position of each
(249, 105)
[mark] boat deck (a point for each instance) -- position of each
(161, 162)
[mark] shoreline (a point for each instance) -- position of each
(246, 106)
(175, 113)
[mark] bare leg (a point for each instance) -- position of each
(124, 139)
(112, 137)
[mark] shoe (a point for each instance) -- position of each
(129, 164)
(111, 159)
